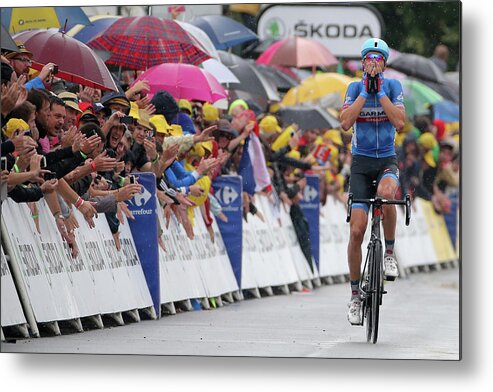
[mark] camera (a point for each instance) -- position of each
(4, 163)
(111, 153)
(132, 179)
(54, 70)
(128, 120)
(50, 176)
(43, 162)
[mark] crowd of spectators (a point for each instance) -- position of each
(76, 147)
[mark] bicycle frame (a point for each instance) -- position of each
(372, 283)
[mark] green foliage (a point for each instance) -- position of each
(417, 27)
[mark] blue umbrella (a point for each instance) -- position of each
(447, 111)
(224, 32)
(98, 24)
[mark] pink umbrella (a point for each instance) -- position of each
(184, 81)
(297, 52)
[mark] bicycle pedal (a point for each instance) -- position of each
(384, 292)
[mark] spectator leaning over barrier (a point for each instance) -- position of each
(21, 61)
(374, 108)
(71, 109)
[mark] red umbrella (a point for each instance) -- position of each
(144, 41)
(297, 52)
(76, 62)
(184, 81)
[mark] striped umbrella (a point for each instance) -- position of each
(145, 41)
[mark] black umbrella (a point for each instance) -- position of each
(282, 81)
(308, 117)
(7, 41)
(445, 89)
(251, 80)
(416, 66)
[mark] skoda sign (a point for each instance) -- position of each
(341, 28)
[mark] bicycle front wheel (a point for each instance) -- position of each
(376, 279)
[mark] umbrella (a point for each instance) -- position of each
(184, 81)
(282, 81)
(200, 38)
(317, 86)
(98, 24)
(308, 117)
(76, 62)
(7, 41)
(144, 41)
(219, 71)
(251, 80)
(416, 66)
(224, 32)
(446, 110)
(298, 52)
(418, 97)
(445, 89)
(26, 18)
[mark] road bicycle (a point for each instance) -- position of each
(372, 282)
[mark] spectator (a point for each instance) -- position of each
(440, 57)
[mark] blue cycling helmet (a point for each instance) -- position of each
(375, 45)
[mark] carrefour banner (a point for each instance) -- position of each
(228, 190)
(144, 230)
(310, 206)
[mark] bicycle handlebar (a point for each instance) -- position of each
(378, 201)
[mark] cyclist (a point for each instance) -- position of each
(374, 107)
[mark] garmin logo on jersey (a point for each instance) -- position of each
(372, 115)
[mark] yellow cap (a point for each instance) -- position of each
(429, 159)
(143, 119)
(237, 102)
(269, 124)
(162, 126)
(427, 141)
(334, 135)
(13, 125)
(211, 113)
(185, 104)
(176, 130)
(134, 110)
(207, 145)
(294, 154)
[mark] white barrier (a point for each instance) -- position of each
(100, 280)
(192, 269)
(11, 309)
(334, 236)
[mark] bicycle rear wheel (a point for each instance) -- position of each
(376, 280)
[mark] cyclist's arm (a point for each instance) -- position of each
(395, 113)
(393, 105)
(353, 103)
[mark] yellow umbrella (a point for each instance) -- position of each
(18, 19)
(316, 87)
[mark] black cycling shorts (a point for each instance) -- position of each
(365, 170)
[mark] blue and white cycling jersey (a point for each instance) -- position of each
(373, 133)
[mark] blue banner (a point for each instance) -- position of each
(228, 190)
(145, 234)
(310, 205)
